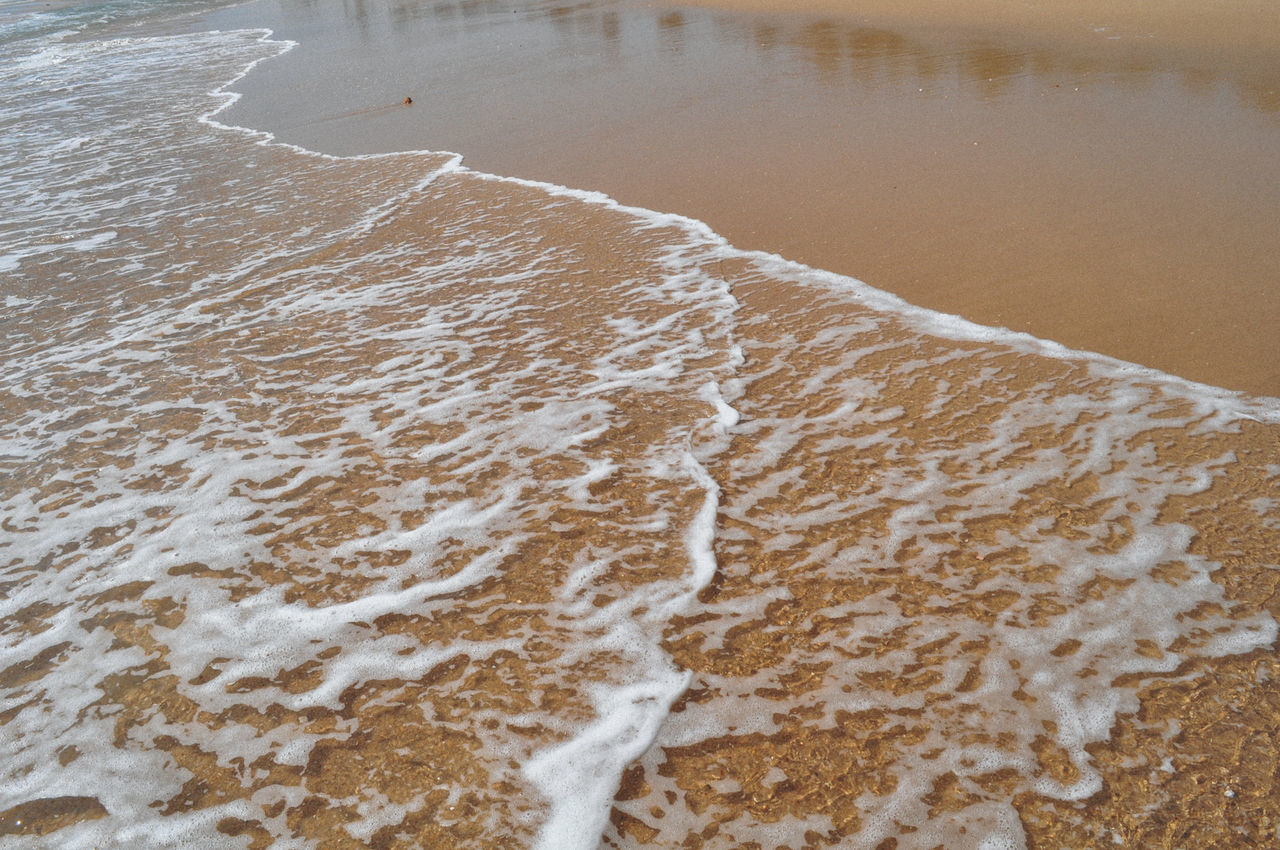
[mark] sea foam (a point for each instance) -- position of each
(365, 498)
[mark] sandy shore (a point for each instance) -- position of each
(1105, 179)
(1135, 225)
(378, 502)
(1234, 31)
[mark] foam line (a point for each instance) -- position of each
(580, 776)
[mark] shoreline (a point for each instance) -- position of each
(926, 320)
(432, 485)
(1126, 209)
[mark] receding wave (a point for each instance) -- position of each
(378, 502)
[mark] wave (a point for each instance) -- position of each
(373, 500)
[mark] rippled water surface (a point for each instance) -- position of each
(381, 502)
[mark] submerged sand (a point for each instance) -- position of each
(379, 502)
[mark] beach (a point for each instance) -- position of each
(1104, 179)
(374, 478)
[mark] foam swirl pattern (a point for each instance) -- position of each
(377, 502)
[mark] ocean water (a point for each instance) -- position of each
(375, 501)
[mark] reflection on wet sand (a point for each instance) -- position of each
(830, 44)
(835, 49)
(867, 55)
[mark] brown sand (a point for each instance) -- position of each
(1224, 30)
(1195, 766)
(1131, 232)
(447, 742)
(1105, 178)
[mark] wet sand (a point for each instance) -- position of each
(1233, 32)
(382, 503)
(1106, 180)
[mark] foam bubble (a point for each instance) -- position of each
(335, 451)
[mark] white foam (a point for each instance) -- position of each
(581, 775)
(94, 241)
(315, 410)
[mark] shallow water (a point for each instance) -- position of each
(381, 502)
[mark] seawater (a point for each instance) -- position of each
(374, 501)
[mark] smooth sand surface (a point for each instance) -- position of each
(1106, 179)
(1230, 30)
